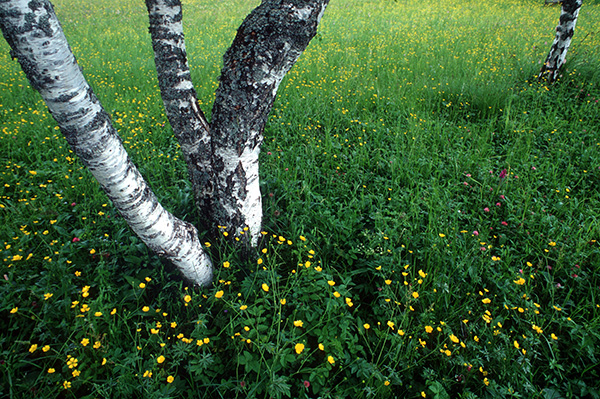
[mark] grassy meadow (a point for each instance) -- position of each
(432, 216)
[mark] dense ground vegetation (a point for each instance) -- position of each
(432, 216)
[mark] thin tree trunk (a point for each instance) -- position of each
(266, 46)
(562, 41)
(38, 42)
(179, 97)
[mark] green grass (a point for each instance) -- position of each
(413, 267)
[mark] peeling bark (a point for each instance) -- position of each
(562, 41)
(179, 97)
(266, 46)
(38, 42)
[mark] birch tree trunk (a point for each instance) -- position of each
(38, 42)
(266, 46)
(180, 101)
(564, 33)
(223, 158)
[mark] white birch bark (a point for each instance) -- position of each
(562, 41)
(179, 98)
(266, 46)
(38, 42)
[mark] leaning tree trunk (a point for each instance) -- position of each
(562, 40)
(266, 46)
(38, 42)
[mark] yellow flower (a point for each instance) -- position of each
(112, 312)
(51, 371)
(454, 339)
(486, 300)
(14, 310)
(97, 345)
(486, 381)
(337, 294)
(422, 273)
(103, 361)
(33, 348)
(225, 265)
(298, 323)
(390, 324)
(388, 282)
(98, 314)
(92, 251)
(386, 383)
(302, 238)
(519, 281)
(219, 294)
(85, 342)
(299, 348)
(265, 287)
(553, 336)
(160, 359)
(72, 362)
(187, 298)
(46, 348)
(66, 385)
(330, 359)
(423, 394)
(259, 261)
(401, 332)
(145, 308)
(170, 379)
(283, 301)
(243, 307)
(47, 296)
(415, 294)
(321, 347)
(366, 326)
(442, 235)
(516, 344)
(331, 283)
(142, 285)
(76, 373)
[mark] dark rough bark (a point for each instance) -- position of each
(266, 46)
(564, 33)
(38, 42)
(179, 97)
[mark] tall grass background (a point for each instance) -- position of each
(431, 216)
